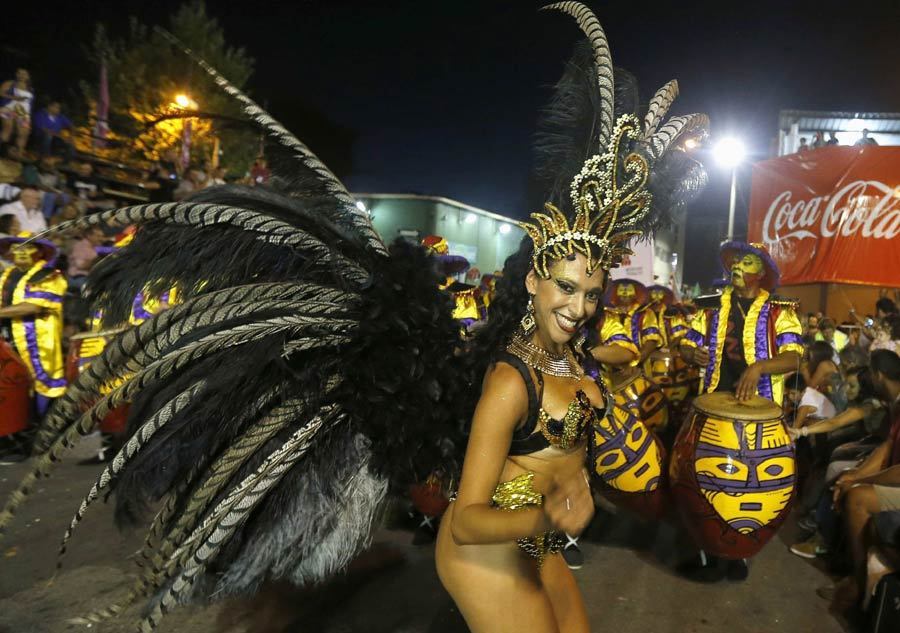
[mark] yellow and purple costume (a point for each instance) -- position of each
(771, 327)
(37, 339)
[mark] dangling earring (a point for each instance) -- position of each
(527, 323)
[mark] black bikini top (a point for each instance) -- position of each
(540, 429)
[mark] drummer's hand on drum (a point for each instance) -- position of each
(569, 505)
(749, 381)
(700, 356)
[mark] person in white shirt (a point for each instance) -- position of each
(28, 210)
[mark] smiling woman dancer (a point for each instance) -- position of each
(524, 482)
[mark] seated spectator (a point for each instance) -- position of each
(8, 192)
(811, 325)
(260, 173)
(16, 96)
(195, 181)
(50, 125)
(832, 139)
(803, 146)
(829, 333)
(860, 395)
(9, 225)
(874, 485)
(818, 365)
(818, 140)
(865, 139)
(217, 177)
(28, 210)
(82, 254)
(892, 341)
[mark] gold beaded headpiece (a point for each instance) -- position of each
(610, 196)
(606, 205)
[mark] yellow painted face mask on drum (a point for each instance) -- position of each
(746, 472)
(625, 454)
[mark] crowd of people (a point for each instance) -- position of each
(819, 141)
(845, 424)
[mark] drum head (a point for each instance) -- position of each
(622, 380)
(723, 404)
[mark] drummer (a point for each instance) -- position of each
(745, 340)
(626, 304)
(31, 312)
(670, 322)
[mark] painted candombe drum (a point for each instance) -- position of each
(84, 348)
(628, 462)
(15, 391)
(732, 473)
(642, 397)
(672, 374)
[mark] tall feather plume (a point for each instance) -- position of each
(358, 218)
(591, 27)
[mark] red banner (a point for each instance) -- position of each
(830, 214)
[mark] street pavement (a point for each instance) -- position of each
(627, 581)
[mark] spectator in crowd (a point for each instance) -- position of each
(829, 333)
(260, 173)
(832, 139)
(817, 371)
(876, 329)
(195, 181)
(865, 139)
(803, 145)
(28, 210)
(859, 394)
(874, 485)
(9, 225)
(49, 126)
(16, 96)
(82, 254)
(891, 340)
(8, 192)
(818, 140)
(217, 177)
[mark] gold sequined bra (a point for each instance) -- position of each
(541, 429)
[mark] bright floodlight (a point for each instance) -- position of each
(856, 125)
(691, 143)
(505, 228)
(470, 218)
(729, 152)
(183, 101)
(361, 205)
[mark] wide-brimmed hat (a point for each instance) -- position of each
(48, 249)
(669, 294)
(641, 294)
(728, 250)
(447, 264)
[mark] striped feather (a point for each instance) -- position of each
(659, 107)
(591, 27)
(205, 542)
(659, 143)
(358, 218)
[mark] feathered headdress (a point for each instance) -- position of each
(616, 177)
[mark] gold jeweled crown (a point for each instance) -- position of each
(608, 205)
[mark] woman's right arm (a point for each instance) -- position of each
(503, 404)
(845, 418)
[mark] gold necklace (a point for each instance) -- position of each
(563, 366)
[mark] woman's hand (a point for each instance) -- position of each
(568, 504)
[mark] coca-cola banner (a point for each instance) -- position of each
(830, 214)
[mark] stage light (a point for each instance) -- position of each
(471, 218)
(691, 143)
(182, 101)
(729, 152)
(505, 229)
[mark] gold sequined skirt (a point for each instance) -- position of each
(519, 493)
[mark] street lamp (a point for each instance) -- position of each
(729, 153)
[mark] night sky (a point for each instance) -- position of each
(442, 97)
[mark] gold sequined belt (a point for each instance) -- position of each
(519, 493)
